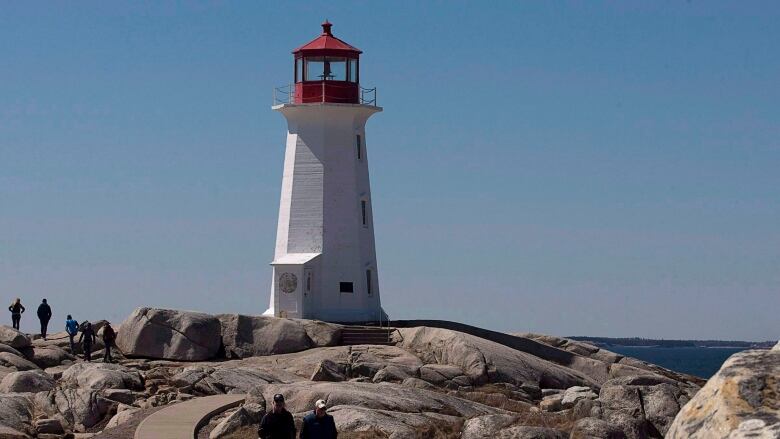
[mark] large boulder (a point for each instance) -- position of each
(10, 360)
(484, 361)
(10, 350)
(16, 412)
(13, 338)
(85, 407)
(742, 400)
(249, 336)
(240, 424)
(301, 396)
(99, 376)
(574, 394)
(506, 426)
(29, 381)
(169, 334)
(643, 405)
(378, 423)
(124, 414)
(594, 428)
(210, 380)
(48, 356)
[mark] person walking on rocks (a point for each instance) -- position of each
(319, 424)
(16, 309)
(72, 328)
(88, 337)
(44, 315)
(109, 335)
(278, 423)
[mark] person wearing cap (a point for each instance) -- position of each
(318, 424)
(278, 423)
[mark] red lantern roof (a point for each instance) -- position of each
(327, 45)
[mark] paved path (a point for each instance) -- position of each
(182, 420)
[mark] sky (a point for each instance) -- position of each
(568, 168)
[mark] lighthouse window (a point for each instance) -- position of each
(298, 70)
(363, 210)
(346, 287)
(353, 70)
(325, 68)
(368, 282)
(359, 147)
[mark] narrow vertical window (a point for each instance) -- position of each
(363, 210)
(368, 282)
(359, 147)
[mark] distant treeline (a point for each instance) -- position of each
(636, 341)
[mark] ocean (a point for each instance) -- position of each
(702, 362)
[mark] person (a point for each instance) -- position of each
(109, 335)
(88, 337)
(44, 315)
(278, 423)
(72, 328)
(16, 309)
(319, 424)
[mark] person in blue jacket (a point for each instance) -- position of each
(72, 328)
(318, 424)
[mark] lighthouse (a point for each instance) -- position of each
(325, 264)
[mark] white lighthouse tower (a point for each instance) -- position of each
(325, 263)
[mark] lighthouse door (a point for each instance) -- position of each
(308, 292)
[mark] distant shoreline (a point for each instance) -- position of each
(636, 342)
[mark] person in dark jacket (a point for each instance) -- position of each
(88, 338)
(109, 335)
(319, 424)
(72, 328)
(16, 309)
(44, 315)
(278, 423)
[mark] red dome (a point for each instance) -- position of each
(327, 45)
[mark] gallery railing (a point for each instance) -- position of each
(286, 94)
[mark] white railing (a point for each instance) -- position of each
(286, 94)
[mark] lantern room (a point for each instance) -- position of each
(327, 70)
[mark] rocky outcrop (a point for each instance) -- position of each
(390, 409)
(300, 397)
(434, 382)
(12, 361)
(594, 428)
(248, 336)
(241, 423)
(99, 376)
(10, 350)
(484, 361)
(742, 400)
(643, 405)
(123, 414)
(13, 338)
(76, 407)
(31, 381)
(169, 334)
(48, 356)
(210, 380)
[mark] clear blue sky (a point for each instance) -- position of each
(566, 168)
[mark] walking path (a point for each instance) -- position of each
(182, 420)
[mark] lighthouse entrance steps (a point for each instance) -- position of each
(357, 335)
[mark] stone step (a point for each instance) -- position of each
(361, 335)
